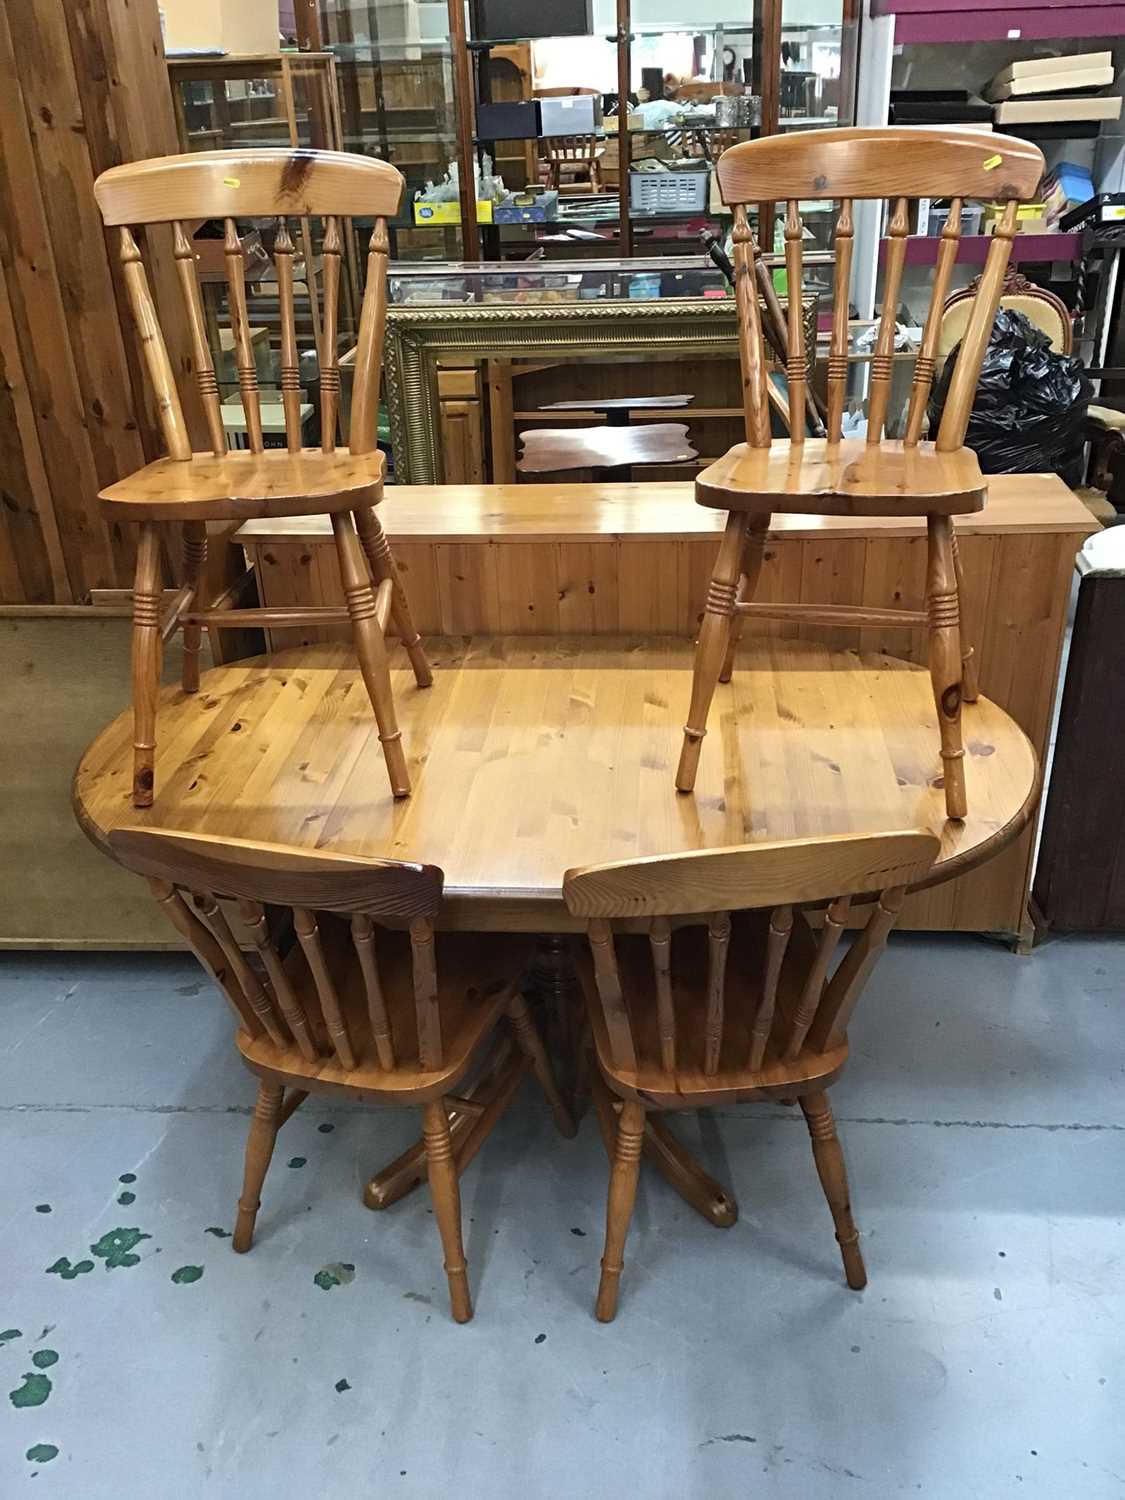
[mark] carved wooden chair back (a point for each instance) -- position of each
(302, 1000)
(898, 165)
(572, 153)
(714, 140)
(190, 873)
(229, 186)
(291, 187)
(778, 1033)
(709, 885)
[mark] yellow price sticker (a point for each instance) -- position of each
(237, 181)
(991, 163)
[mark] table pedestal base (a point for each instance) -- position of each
(673, 1161)
(471, 1120)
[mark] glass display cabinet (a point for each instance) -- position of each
(396, 102)
(531, 283)
(476, 353)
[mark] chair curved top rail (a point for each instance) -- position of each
(257, 184)
(279, 874)
(785, 871)
(880, 162)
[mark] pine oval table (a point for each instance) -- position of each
(531, 755)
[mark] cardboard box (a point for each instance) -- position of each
(527, 208)
(448, 213)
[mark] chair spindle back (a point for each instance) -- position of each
(570, 151)
(189, 874)
(777, 878)
(899, 165)
(238, 185)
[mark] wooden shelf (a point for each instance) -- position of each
(962, 21)
(593, 413)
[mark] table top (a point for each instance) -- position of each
(544, 449)
(655, 510)
(531, 755)
(620, 403)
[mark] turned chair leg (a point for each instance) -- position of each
(259, 1148)
(381, 561)
(753, 554)
(446, 1193)
(711, 649)
(970, 668)
(195, 560)
(619, 1208)
(148, 651)
(945, 660)
(531, 1044)
(829, 1160)
(370, 648)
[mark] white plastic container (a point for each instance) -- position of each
(668, 192)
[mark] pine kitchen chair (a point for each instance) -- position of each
(728, 995)
(868, 476)
(571, 158)
(351, 1009)
(345, 483)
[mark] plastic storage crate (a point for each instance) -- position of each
(668, 192)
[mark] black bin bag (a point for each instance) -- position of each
(1030, 406)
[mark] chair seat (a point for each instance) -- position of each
(547, 449)
(849, 478)
(689, 1087)
(476, 973)
(249, 486)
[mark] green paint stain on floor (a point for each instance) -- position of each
(336, 1273)
(33, 1392)
(62, 1267)
(9, 1334)
(297, 1161)
(342, 1386)
(41, 1453)
(116, 1246)
(186, 1275)
(128, 1177)
(43, 1359)
(327, 1128)
(42, 1208)
(126, 1198)
(220, 1234)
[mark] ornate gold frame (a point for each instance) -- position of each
(417, 336)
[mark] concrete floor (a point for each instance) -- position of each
(983, 1117)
